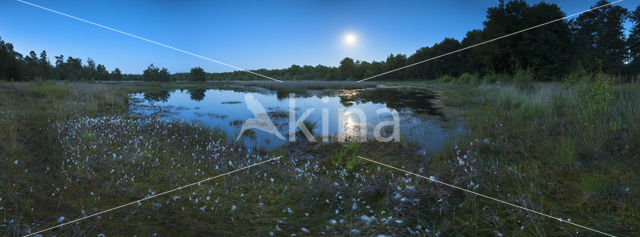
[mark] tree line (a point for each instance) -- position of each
(594, 42)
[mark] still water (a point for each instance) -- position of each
(422, 123)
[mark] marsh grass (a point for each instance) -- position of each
(568, 145)
(347, 157)
(68, 155)
(80, 152)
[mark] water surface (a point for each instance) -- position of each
(422, 123)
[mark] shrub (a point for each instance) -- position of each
(475, 80)
(595, 100)
(446, 79)
(578, 75)
(467, 78)
(596, 113)
(347, 156)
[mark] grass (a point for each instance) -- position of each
(567, 143)
(72, 149)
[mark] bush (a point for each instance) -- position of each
(475, 80)
(595, 100)
(578, 75)
(347, 156)
(446, 79)
(596, 113)
(467, 78)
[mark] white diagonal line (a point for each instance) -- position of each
(488, 41)
(485, 196)
(148, 40)
(153, 196)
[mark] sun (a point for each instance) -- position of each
(350, 39)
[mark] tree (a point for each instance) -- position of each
(152, 73)
(347, 68)
(32, 67)
(101, 73)
(392, 63)
(633, 43)
(72, 69)
(471, 60)
(164, 75)
(449, 65)
(546, 50)
(7, 61)
(91, 65)
(45, 66)
(197, 74)
(116, 75)
(499, 56)
(599, 38)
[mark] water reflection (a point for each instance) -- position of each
(157, 96)
(422, 123)
(417, 100)
(197, 94)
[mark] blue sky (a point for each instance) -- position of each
(247, 34)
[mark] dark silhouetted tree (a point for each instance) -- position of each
(347, 69)
(152, 73)
(116, 74)
(599, 38)
(633, 43)
(197, 74)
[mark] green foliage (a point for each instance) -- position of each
(446, 79)
(347, 68)
(595, 101)
(633, 42)
(152, 73)
(596, 112)
(599, 39)
(579, 75)
(116, 74)
(347, 156)
(197, 74)
(467, 78)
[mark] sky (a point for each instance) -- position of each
(246, 34)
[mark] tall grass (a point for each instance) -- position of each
(574, 144)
